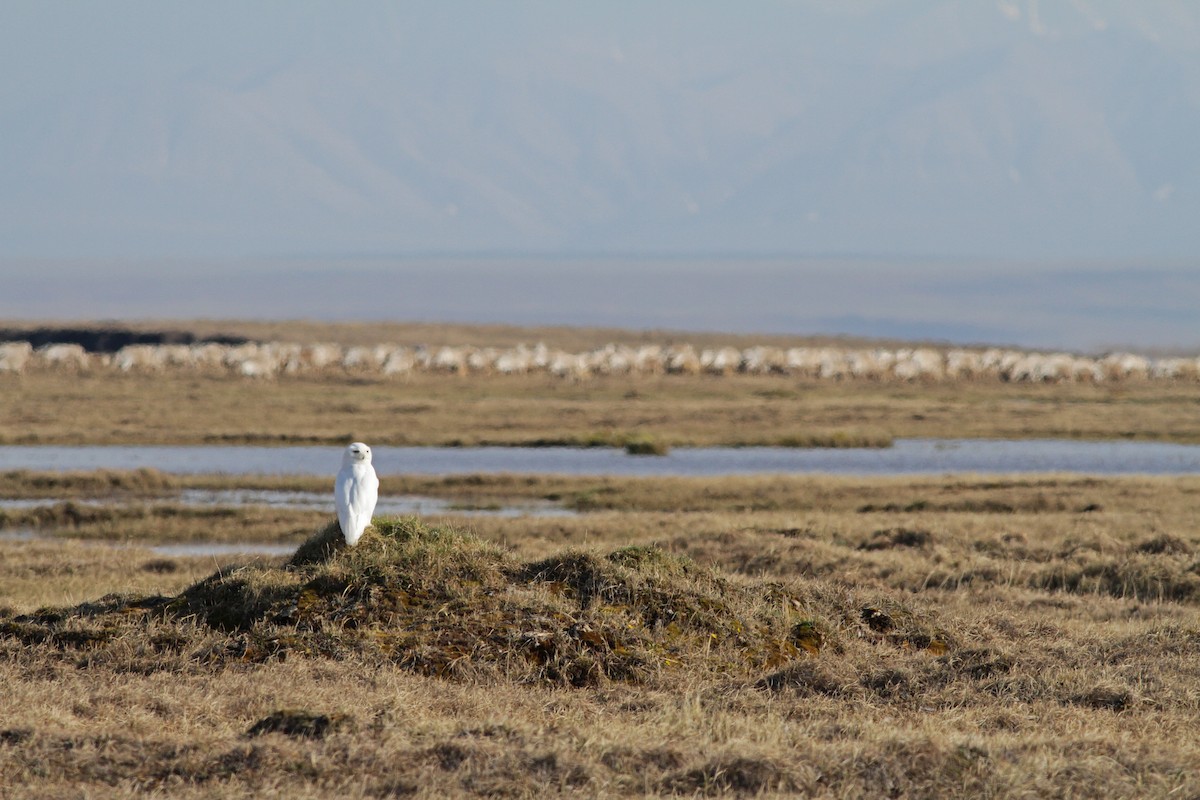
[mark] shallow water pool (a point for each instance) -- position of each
(906, 457)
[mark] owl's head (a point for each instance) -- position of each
(357, 453)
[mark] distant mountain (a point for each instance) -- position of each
(1013, 130)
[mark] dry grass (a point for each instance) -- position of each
(833, 637)
(164, 523)
(36, 573)
(970, 636)
(672, 410)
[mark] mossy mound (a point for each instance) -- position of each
(443, 602)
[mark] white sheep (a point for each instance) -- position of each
(804, 362)
(361, 358)
(873, 365)
(828, 363)
(831, 364)
(400, 361)
(208, 356)
(761, 360)
(682, 360)
(515, 362)
(720, 360)
(68, 356)
(322, 355)
(283, 357)
(140, 357)
(448, 359)
(568, 365)
(963, 364)
(14, 356)
(1175, 369)
(612, 359)
(1121, 366)
(481, 360)
(923, 363)
(648, 359)
(255, 367)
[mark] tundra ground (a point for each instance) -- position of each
(671, 410)
(958, 636)
(966, 636)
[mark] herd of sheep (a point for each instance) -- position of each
(270, 359)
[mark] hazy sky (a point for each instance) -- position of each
(972, 152)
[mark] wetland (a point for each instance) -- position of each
(955, 634)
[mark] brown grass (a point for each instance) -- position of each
(967, 636)
(962, 636)
(164, 522)
(60, 572)
(671, 410)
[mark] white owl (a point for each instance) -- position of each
(356, 491)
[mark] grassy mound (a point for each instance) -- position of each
(443, 602)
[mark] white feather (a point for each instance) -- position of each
(356, 491)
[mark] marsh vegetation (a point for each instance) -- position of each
(672, 411)
(965, 635)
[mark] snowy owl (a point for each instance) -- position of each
(355, 491)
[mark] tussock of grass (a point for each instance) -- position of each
(646, 446)
(442, 602)
(1137, 576)
(998, 637)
